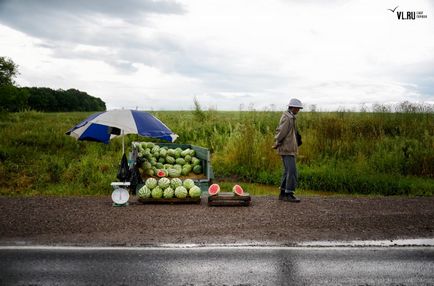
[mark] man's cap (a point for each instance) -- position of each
(294, 102)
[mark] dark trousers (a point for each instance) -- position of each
(289, 176)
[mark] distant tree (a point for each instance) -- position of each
(12, 98)
(8, 70)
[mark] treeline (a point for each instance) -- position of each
(14, 99)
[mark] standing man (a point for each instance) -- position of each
(286, 144)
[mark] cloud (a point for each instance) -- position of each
(226, 53)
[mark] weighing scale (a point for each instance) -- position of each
(120, 194)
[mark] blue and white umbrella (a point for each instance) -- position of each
(104, 126)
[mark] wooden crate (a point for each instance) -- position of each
(229, 199)
(187, 200)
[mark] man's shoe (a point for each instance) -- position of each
(291, 198)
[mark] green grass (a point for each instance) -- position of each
(342, 152)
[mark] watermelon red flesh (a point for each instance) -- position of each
(214, 189)
(238, 190)
(161, 173)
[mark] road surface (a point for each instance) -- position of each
(217, 266)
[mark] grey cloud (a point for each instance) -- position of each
(125, 9)
(111, 27)
(67, 20)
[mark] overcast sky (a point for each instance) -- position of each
(229, 54)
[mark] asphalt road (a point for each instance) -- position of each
(217, 266)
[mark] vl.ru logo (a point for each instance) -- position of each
(408, 15)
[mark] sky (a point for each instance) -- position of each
(228, 54)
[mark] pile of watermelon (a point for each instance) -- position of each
(168, 188)
(166, 162)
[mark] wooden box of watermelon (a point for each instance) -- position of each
(235, 198)
(184, 161)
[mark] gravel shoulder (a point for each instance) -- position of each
(93, 221)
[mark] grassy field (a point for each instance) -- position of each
(343, 152)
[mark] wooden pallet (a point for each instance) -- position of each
(229, 199)
(187, 200)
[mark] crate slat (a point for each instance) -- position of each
(229, 199)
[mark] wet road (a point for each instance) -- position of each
(218, 266)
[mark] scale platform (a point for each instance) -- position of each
(229, 199)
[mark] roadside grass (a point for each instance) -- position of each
(255, 189)
(378, 153)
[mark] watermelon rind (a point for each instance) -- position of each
(238, 190)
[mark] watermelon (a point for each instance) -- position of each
(177, 154)
(172, 172)
(170, 159)
(163, 152)
(157, 193)
(164, 183)
(195, 192)
(151, 183)
(185, 152)
(238, 190)
(144, 192)
(150, 145)
(149, 172)
(171, 153)
(181, 192)
(186, 169)
(188, 184)
(197, 169)
(195, 161)
(168, 193)
(161, 173)
(180, 161)
(214, 189)
(147, 165)
(161, 160)
(175, 182)
(187, 158)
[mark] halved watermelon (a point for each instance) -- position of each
(238, 190)
(214, 189)
(161, 173)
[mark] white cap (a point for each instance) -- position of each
(294, 102)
